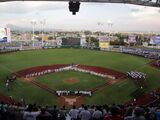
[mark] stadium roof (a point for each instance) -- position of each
(151, 3)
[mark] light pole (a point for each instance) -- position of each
(43, 22)
(33, 23)
(100, 24)
(110, 24)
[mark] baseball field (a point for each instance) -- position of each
(115, 91)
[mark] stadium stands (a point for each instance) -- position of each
(147, 53)
(84, 112)
(8, 50)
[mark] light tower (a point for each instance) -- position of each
(42, 23)
(33, 23)
(110, 24)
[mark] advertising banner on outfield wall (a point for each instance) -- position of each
(155, 40)
(5, 35)
(104, 44)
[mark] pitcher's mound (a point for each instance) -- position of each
(71, 81)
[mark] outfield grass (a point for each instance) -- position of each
(113, 94)
(117, 61)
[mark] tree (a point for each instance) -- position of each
(39, 38)
(36, 32)
(87, 32)
(50, 38)
(92, 40)
(117, 42)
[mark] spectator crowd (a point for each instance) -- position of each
(147, 53)
(104, 112)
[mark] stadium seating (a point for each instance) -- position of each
(152, 54)
(102, 112)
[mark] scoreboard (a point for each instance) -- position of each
(104, 44)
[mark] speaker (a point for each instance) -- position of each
(74, 6)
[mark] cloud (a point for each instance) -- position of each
(146, 18)
(141, 11)
(27, 7)
(14, 7)
(52, 6)
(135, 10)
(21, 7)
(57, 15)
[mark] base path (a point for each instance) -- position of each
(146, 98)
(152, 63)
(6, 99)
(38, 84)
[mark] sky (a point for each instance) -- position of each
(56, 15)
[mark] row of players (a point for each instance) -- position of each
(136, 75)
(75, 93)
(68, 68)
(39, 73)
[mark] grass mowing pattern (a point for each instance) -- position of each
(122, 62)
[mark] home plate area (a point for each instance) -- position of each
(70, 100)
